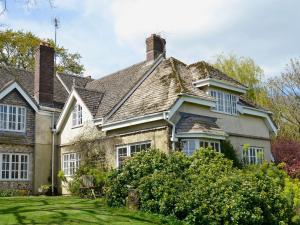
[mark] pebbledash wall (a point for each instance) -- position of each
(242, 129)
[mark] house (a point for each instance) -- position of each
(160, 103)
(30, 104)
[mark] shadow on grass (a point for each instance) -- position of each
(67, 211)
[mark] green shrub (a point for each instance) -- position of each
(11, 192)
(129, 175)
(229, 152)
(76, 185)
(206, 189)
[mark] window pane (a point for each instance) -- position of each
(122, 154)
(253, 155)
(77, 115)
(189, 146)
(12, 118)
(71, 163)
(5, 166)
(234, 102)
(132, 150)
(220, 102)
(214, 95)
(228, 103)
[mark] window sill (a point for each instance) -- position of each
(77, 126)
(13, 180)
(13, 131)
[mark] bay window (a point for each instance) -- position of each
(225, 102)
(190, 145)
(12, 118)
(126, 151)
(71, 162)
(14, 166)
(77, 115)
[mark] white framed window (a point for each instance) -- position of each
(225, 102)
(253, 155)
(71, 162)
(77, 115)
(14, 166)
(190, 145)
(129, 150)
(12, 118)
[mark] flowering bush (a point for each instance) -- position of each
(288, 152)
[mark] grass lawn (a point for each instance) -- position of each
(69, 210)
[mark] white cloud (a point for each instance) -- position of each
(135, 19)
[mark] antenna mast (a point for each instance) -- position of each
(56, 24)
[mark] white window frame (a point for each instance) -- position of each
(127, 148)
(19, 167)
(225, 102)
(254, 150)
(69, 165)
(77, 119)
(198, 143)
(21, 120)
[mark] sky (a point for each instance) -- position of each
(110, 34)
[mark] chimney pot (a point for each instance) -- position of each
(155, 46)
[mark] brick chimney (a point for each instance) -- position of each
(155, 45)
(44, 74)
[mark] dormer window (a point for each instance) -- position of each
(77, 116)
(225, 102)
(12, 118)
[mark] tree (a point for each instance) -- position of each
(244, 70)
(4, 4)
(284, 91)
(17, 49)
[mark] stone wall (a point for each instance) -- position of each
(28, 184)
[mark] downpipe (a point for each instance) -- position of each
(173, 138)
(53, 130)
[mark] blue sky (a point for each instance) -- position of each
(110, 34)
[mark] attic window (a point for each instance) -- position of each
(77, 115)
(226, 103)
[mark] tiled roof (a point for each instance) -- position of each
(91, 98)
(26, 80)
(191, 123)
(115, 86)
(159, 91)
(204, 70)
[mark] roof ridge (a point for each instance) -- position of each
(75, 75)
(174, 69)
(113, 73)
(147, 73)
